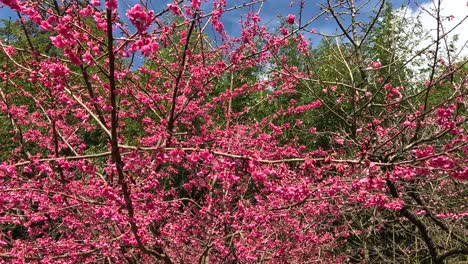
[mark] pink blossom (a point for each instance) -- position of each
(7, 170)
(111, 4)
(72, 56)
(10, 50)
(442, 162)
(87, 11)
(87, 58)
(13, 4)
(45, 25)
(196, 4)
(284, 31)
(290, 19)
(394, 205)
(140, 18)
(461, 174)
(424, 152)
(374, 65)
(175, 9)
(339, 141)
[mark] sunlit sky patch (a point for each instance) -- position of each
(274, 12)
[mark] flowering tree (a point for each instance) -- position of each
(179, 159)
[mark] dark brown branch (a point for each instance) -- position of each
(338, 21)
(412, 193)
(89, 87)
(170, 124)
(372, 23)
(453, 252)
(115, 151)
(418, 223)
(433, 70)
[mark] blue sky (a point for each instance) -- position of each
(274, 11)
(271, 12)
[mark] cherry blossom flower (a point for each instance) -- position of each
(290, 19)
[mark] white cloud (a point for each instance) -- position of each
(454, 17)
(452, 13)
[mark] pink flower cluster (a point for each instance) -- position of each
(374, 65)
(175, 9)
(111, 4)
(291, 19)
(196, 4)
(146, 45)
(13, 4)
(140, 18)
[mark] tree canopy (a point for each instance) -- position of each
(159, 136)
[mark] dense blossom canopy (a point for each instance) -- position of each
(246, 149)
